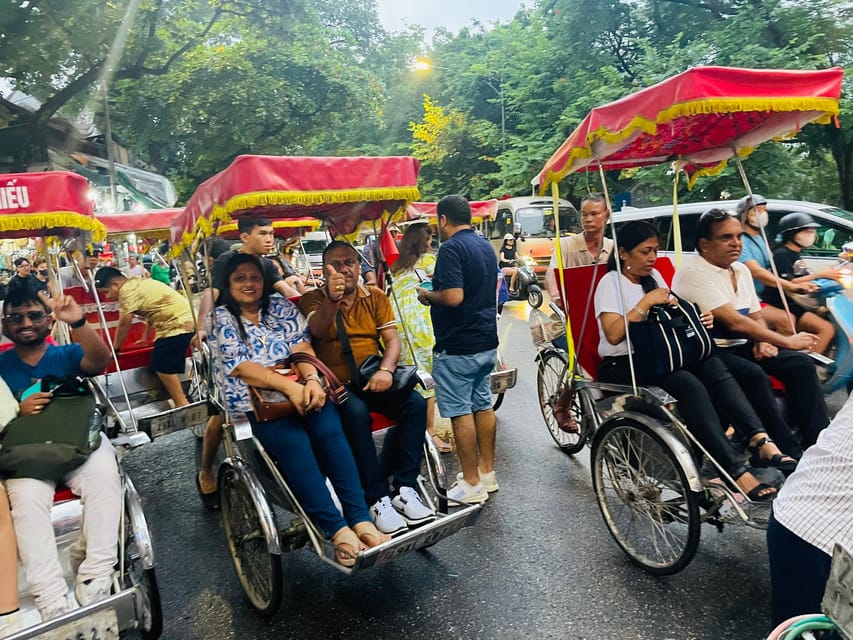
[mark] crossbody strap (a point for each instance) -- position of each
(346, 348)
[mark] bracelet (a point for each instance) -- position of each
(391, 371)
(79, 323)
(311, 377)
(267, 381)
(643, 314)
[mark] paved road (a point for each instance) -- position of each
(539, 564)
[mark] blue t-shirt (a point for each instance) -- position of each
(466, 262)
(58, 361)
(755, 249)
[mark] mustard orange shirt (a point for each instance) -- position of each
(158, 304)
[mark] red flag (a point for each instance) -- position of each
(389, 247)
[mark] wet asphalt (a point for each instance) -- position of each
(539, 563)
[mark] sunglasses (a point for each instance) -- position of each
(716, 214)
(36, 317)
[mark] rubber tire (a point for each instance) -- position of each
(534, 296)
(626, 424)
(553, 363)
(156, 628)
(230, 480)
(147, 578)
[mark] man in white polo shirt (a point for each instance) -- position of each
(717, 282)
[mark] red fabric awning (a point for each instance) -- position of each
(341, 191)
(702, 116)
(281, 228)
(480, 209)
(139, 222)
(46, 203)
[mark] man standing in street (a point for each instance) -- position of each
(464, 318)
(589, 247)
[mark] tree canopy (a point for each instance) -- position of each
(201, 81)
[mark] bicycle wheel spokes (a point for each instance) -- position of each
(550, 380)
(644, 497)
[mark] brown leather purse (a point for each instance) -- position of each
(272, 404)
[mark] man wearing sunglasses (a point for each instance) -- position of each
(27, 322)
(719, 283)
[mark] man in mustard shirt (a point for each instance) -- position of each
(164, 310)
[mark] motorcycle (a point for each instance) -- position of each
(838, 309)
(526, 285)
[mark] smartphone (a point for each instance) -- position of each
(35, 388)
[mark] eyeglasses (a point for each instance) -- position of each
(35, 317)
(716, 214)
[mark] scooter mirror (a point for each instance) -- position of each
(516, 229)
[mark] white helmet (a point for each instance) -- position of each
(509, 236)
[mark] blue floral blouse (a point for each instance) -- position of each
(270, 342)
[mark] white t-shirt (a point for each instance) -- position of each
(711, 287)
(135, 272)
(8, 405)
(575, 254)
(607, 301)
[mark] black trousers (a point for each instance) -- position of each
(806, 403)
(798, 573)
(404, 445)
(694, 402)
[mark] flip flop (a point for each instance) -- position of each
(210, 500)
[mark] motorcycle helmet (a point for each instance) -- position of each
(748, 202)
(793, 222)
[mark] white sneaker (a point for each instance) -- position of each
(461, 491)
(11, 623)
(55, 609)
(409, 504)
(386, 518)
(489, 481)
(93, 590)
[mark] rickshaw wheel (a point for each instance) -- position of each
(259, 571)
(139, 561)
(549, 384)
(644, 496)
(197, 388)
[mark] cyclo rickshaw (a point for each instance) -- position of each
(645, 461)
(55, 206)
(503, 378)
(342, 192)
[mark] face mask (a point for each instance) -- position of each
(805, 239)
(759, 220)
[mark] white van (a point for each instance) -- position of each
(308, 253)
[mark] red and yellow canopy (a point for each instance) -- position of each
(703, 116)
(281, 228)
(154, 223)
(480, 210)
(340, 191)
(51, 203)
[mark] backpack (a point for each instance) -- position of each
(54, 443)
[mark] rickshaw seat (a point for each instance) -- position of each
(380, 422)
(63, 494)
(579, 282)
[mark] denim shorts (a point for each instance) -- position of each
(462, 383)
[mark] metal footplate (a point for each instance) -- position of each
(167, 422)
(102, 620)
(503, 380)
(424, 536)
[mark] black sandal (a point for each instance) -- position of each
(210, 500)
(779, 461)
(757, 493)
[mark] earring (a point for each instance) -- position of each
(627, 267)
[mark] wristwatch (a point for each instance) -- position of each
(79, 323)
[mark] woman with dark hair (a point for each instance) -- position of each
(414, 266)
(698, 390)
(251, 331)
(507, 257)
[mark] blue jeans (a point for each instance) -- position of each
(404, 445)
(307, 449)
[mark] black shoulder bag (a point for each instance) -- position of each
(405, 375)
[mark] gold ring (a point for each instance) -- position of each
(339, 287)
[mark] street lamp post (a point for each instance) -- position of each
(422, 64)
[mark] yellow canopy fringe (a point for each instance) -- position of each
(53, 220)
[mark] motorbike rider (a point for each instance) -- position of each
(798, 231)
(507, 261)
(752, 211)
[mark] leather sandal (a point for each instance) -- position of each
(369, 534)
(347, 546)
(786, 464)
(762, 492)
(441, 445)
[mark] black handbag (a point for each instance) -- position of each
(672, 338)
(405, 376)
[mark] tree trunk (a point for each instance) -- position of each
(842, 153)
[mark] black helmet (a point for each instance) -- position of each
(748, 202)
(793, 222)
